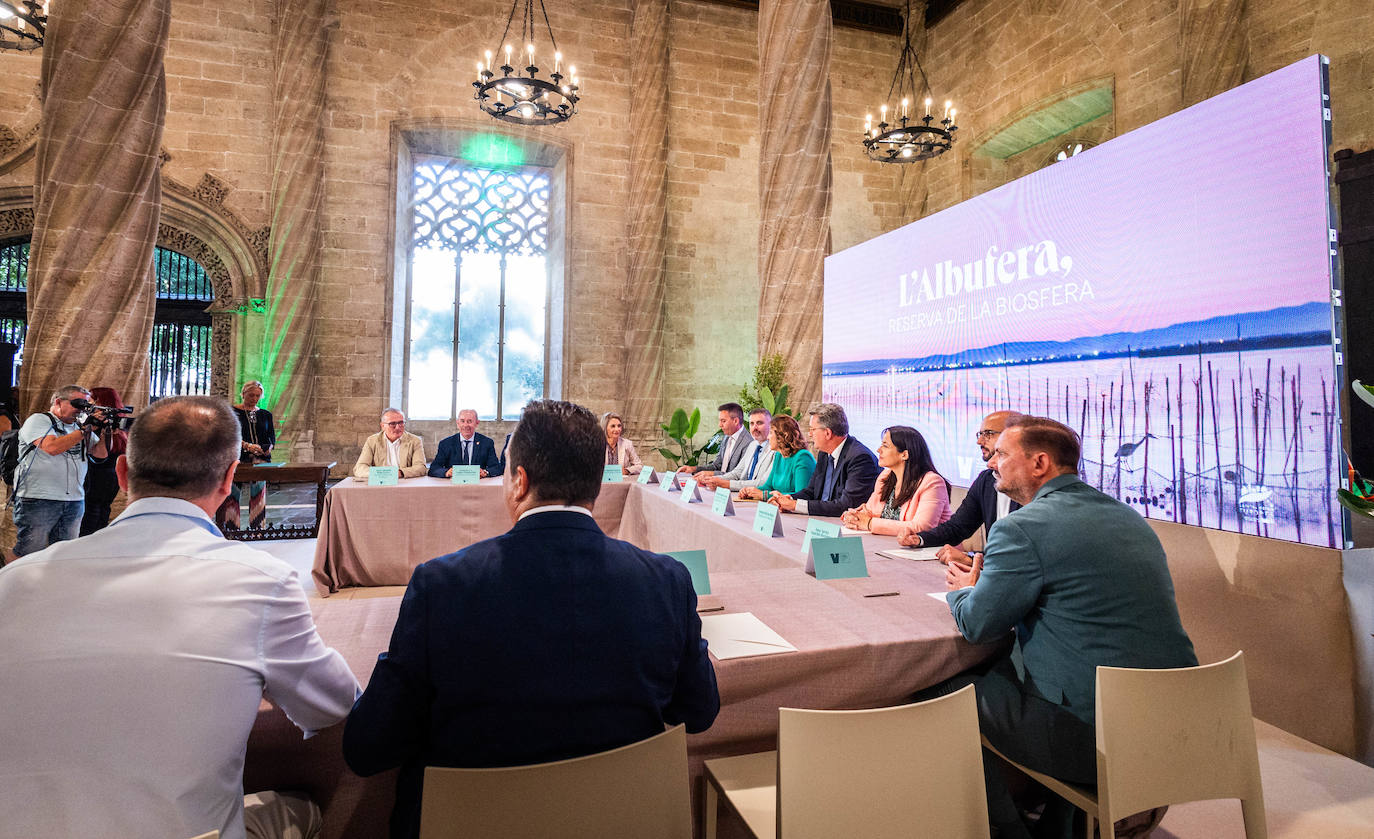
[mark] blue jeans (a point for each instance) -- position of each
(41, 521)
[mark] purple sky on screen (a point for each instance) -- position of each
(1215, 210)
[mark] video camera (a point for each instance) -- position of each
(98, 418)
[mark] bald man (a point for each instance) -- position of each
(983, 505)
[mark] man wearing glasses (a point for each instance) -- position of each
(50, 493)
(392, 446)
(982, 505)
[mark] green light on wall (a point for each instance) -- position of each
(493, 150)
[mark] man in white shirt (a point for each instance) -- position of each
(135, 659)
(50, 493)
(754, 464)
(731, 417)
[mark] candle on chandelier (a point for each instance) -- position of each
(952, 112)
(529, 48)
(947, 104)
(927, 106)
(557, 62)
(903, 107)
(508, 51)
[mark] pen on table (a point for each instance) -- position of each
(884, 594)
(711, 609)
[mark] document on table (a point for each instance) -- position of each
(917, 554)
(741, 635)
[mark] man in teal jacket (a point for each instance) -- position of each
(1082, 581)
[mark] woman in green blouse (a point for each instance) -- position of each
(792, 466)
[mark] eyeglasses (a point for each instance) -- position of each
(985, 433)
(395, 424)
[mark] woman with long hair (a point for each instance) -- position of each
(909, 494)
(792, 465)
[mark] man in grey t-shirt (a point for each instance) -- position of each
(51, 474)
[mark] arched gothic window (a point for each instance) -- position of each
(477, 330)
(179, 357)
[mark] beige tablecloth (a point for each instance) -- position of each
(852, 651)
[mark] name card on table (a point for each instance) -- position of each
(669, 482)
(689, 491)
(647, 476)
(818, 529)
(612, 474)
(837, 558)
(466, 474)
(696, 564)
(383, 476)
(766, 521)
(722, 505)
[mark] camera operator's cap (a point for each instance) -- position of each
(107, 396)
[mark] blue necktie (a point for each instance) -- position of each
(467, 452)
(831, 471)
(758, 449)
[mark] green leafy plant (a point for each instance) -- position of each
(768, 390)
(681, 428)
(1359, 499)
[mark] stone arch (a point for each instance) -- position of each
(194, 223)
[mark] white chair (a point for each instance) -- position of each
(1169, 737)
(912, 770)
(636, 790)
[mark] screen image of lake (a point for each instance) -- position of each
(1245, 440)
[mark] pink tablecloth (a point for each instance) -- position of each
(376, 535)
(852, 651)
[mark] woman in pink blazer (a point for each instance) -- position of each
(909, 495)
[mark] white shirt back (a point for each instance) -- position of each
(134, 662)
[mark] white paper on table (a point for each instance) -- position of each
(740, 635)
(917, 554)
(938, 595)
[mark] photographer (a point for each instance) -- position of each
(101, 484)
(50, 477)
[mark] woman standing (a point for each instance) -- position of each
(619, 451)
(101, 484)
(792, 465)
(255, 425)
(909, 494)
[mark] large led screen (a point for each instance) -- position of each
(1167, 294)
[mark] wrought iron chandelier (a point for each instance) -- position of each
(908, 137)
(526, 99)
(23, 24)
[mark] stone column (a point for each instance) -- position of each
(97, 198)
(648, 219)
(914, 189)
(795, 41)
(1214, 48)
(300, 50)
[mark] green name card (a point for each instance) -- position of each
(766, 521)
(383, 476)
(466, 474)
(689, 491)
(837, 558)
(647, 476)
(612, 474)
(722, 505)
(696, 564)
(669, 483)
(818, 529)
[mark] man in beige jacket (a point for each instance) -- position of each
(392, 446)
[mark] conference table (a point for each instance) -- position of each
(861, 643)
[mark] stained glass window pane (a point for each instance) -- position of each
(478, 329)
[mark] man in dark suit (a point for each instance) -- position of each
(982, 505)
(1081, 580)
(845, 468)
(549, 642)
(466, 448)
(733, 442)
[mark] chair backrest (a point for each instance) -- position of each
(912, 770)
(1172, 736)
(636, 790)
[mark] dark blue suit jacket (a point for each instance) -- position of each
(979, 507)
(451, 454)
(858, 471)
(548, 642)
